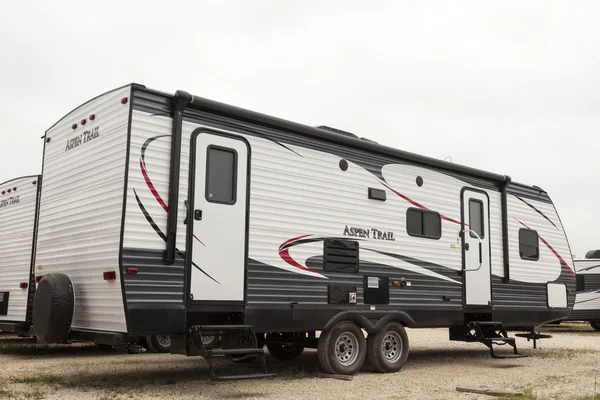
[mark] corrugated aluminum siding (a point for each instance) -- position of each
(81, 208)
(17, 222)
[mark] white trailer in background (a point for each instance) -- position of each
(18, 210)
(587, 299)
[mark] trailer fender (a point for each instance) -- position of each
(353, 316)
(398, 316)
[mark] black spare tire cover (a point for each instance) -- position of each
(53, 305)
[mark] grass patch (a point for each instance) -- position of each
(564, 353)
(112, 380)
(527, 394)
(35, 349)
(37, 379)
(11, 394)
(7, 394)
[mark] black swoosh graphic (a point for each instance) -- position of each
(589, 268)
(585, 301)
(436, 268)
(163, 236)
(147, 143)
(538, 211)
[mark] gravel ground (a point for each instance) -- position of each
(563, 367)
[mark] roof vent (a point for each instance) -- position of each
(338, 131)
(593, 254)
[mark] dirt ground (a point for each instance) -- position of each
(564, 367)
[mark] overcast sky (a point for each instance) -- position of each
(512, 87)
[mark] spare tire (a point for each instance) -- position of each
(53, 305)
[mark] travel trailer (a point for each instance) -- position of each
(587, 299)
(226, 228)
(18, 210)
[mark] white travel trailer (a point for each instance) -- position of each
(587, 299)
(174, 214)
(18, 210)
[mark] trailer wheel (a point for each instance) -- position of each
(342, 349)
(209, 342)
(159, 343)
(387, 349)
(53, 305)
(283, 351)
(595, 324)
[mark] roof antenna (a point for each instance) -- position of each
(448, 158)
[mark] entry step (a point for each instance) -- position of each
(231, 352)
(242, 377)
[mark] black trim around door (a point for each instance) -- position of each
(180, 102)
(189, 302)
(463, 216)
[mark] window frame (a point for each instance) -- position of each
(481, 216)
(538, 245)
(423, 212)
(235, 174)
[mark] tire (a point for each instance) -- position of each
(53, 305)
(342, 349)
(595, 324)
(159, 343)
(283, 351)
(387, 349)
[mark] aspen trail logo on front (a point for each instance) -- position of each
(85, 137)
(9, 202)
(369, 233)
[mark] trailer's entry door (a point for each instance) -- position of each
(218, 218)
(476, 248)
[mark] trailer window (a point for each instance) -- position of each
(580, 283)
(529, 247)
(221, 171)
(476, 218)
(423, 223)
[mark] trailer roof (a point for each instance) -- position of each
(215, 107)
(222, 109)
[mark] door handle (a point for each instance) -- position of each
(198, 215)
(480, 250)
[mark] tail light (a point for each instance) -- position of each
(110, 275)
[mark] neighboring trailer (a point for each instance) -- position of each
(173, 214)
(587, 300)
(18, 210)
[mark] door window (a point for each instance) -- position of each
(221, 175)
(476, 218)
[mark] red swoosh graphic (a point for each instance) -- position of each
(551, 249)
(422, 207)
(285, 255)
(152, 188)
(196, 237)
(291, 240)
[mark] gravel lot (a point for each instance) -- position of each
(563, 367)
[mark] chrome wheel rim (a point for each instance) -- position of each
(207, 339)
(392, 346)
(164, 340)
(346, 349)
